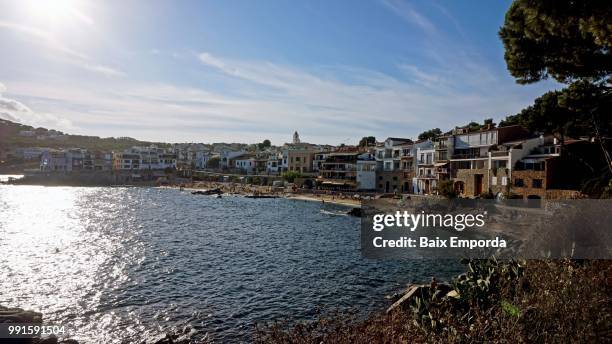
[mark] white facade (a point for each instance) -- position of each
(226, 159)
(246, 164)
(366, 172)
(274, 164)
(144, 158)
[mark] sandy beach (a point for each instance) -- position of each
(242, 189)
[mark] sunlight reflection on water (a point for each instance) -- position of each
(120, 264)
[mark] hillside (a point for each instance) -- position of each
(10, 139)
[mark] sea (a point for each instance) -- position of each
(128, 264)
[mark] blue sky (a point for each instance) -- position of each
(244, 71)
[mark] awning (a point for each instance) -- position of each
(439, 164)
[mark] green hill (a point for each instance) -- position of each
(10, 139)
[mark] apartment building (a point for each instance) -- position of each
(298, 158)
(394, 165)
(339, 171)
(469, 153)
(144, 158)
(426, 178)
(366, 171)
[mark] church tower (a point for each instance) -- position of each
(296, 138)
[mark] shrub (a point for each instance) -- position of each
(534, 301)
(446, 189)
(290, 176)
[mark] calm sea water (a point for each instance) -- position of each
(126, 264)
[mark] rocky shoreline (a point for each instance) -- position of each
(14, 315)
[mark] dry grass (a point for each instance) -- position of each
(554, 301)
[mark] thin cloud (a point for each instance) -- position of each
(406, 11)
(270, 100)
(70, 55)
(14, 110)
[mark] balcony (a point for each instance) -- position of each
(500, 154)
(468, 156)
(427, 176)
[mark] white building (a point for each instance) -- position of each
(426, 179)
(226, 158)
(366, 172)
(245, 163)
(144, 158)
(274, 164)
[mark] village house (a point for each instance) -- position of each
(274, 163)
(339, 171)
(366, 171)
(201, 159)
(318, 160)
(470, 158)
(245, 163)
(554, 170)
(54, 161)
(394, 165)
(226, 158)
(426, 178)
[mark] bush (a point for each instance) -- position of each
(535, 301)
(446, 189)
(290, 176)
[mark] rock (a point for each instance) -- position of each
(355, 212)
(408, 295)
(48, 340)
(439, 290)
(18, 315)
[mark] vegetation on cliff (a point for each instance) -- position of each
(534, 301)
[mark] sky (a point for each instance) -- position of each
(245, 71)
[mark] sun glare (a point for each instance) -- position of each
(56, 12)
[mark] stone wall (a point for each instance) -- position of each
(564, 194)
(468, 177)
(498, 176)
(528, 189)
(399, 181)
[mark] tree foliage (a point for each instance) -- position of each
(581, 109)
(291, 175)
(367, 141)
(265, 144)
(566, 40)
(430, 134)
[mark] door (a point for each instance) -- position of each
(477, 184)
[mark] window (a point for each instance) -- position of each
(536, 183)
(519, 183)
(395, 178)
(297, 159)
(493, 180)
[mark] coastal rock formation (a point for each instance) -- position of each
(21, 316)
(355, 212)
